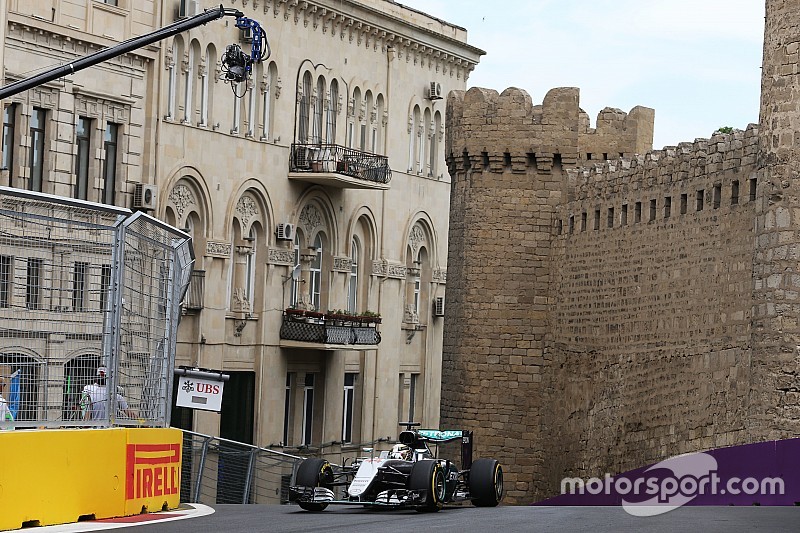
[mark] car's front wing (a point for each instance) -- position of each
(395, 498)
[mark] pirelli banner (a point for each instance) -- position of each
(67, 475)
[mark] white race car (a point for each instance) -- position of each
(409, 475)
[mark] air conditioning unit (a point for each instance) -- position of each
(285, 232)
(435, 91)
(188, 8)
(144, 197)
(438, 306)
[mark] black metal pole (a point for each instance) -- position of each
(113, 51)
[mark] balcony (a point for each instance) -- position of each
(318, 332)
(332, 165)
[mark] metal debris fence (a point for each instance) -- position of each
(217, 470)
(83, 287)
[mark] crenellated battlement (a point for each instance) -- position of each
(703, 159)
(483, 123)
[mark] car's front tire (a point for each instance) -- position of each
(314, 473)
(428, 475)
(486, 483)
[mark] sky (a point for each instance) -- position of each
(696, 62)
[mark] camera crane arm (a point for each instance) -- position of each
(259, 52)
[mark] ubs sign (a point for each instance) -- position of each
(200, 389)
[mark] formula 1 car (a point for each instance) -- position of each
(408, 476)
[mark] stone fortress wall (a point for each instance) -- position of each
(610, 310)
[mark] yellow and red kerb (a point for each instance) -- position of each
(152, 470)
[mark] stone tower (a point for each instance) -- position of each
(644, 305)
(776, 272)
(507, 159)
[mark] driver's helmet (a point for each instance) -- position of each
(400, 451)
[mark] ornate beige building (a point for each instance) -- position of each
(321, 185)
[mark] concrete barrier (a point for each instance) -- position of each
(68, 475)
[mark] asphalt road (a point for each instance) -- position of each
(290, 518)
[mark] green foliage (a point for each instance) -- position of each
(724, 129)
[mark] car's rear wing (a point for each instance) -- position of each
(412, 437)
(437, 436)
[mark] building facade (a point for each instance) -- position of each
(318, 186)
(647, 305)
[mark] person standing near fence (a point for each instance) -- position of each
(94, 399)
(6, 417)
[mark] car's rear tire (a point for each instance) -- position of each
(314, 473)
(486, 483)
(427, 475)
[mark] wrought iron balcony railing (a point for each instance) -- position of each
(321, 330)
(335, 159)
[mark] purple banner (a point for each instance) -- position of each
(763, 473)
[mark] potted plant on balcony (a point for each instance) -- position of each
(314, 317)
(294, 313)
(335, 316)
(370, 317)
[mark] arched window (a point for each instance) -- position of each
(425, 128)
(295, 296)
(333, 110)
(316, 274)
(187, 95)
(367, 134)
(172, 86)
(27, 372)
(250, 267)
(251, 100)
(204, 90)
(413, 140)
(417, 284)
(352, 288)
(268, 99)
(434, 149)
(319, 101)
(304, 103)
(379, 109)
(354, 118)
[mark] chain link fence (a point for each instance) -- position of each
(89, 305)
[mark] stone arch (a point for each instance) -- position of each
(315, 212)
(32, 386)
(363, 222)
(420, 259)
(363, 230)
(420, 234)
(80, 369)
(186, 205)
(317, 228)
(249, 218)
(262, 203)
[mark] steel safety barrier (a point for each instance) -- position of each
(90, 299)
(217, 470)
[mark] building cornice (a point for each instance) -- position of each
(73, 35)
(368, 26)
